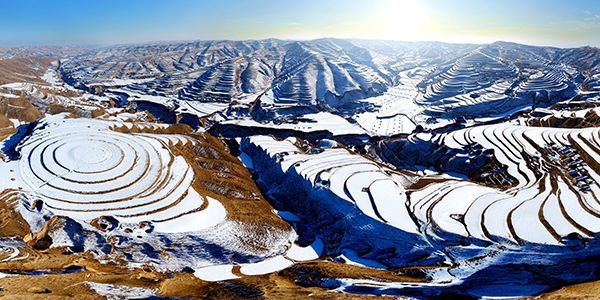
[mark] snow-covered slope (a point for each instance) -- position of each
(328, 70)
(417, 169)
(371, 80)
(86, 182)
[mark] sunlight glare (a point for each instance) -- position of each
(399, 20)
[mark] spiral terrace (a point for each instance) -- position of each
(83, 170)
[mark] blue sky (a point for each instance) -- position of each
(551, 22)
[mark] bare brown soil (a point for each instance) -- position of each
(23, 69)
(220, 175)
(11, 222)
(19, 108)
(331, 269)
(591, 119)
(588, 290)
(5, 122)
(281, 285)
(58, 92)
(74, 111)
(172, 129)
(6, 127)
(6, 132)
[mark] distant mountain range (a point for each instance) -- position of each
(333, 71)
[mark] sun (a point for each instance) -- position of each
(399, 20)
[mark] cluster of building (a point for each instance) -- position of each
(574, 166)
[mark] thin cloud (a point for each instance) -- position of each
(592, 17)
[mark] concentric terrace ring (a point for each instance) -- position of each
(82, 169)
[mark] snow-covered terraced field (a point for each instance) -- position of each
(552, 178)
(372, 167)
(211, 71)
(350, 177)
(83, 170)
(12, 251)
(98, 175)
(388, 88)
(556, 196)
(479, 103)
(353, 204)
(552, 205)
(555, 81)
(394, 111)
(321, 121)
(201, 108)
(472, 72)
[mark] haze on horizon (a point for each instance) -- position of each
(68, 22)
